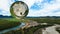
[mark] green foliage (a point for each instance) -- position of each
(5, 24)
(30, 30)
(47, 20)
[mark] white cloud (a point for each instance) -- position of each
(6, 13)
(29, 2)
(5, 7)
(47, 10)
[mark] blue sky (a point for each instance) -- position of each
(36, 7)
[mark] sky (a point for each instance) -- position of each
(36, 7)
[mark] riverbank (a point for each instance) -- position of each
(6, 24)
(14, 28)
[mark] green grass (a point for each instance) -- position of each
(47, 20)
(6, 23)
(30, 30)
(50, 21)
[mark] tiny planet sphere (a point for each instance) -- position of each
(19, 9)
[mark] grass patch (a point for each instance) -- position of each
(6, 23)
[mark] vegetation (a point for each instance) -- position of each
(30, 30)
(5, 23)
(47, 20)
(20, 31)
(12, 22)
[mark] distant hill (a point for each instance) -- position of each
(45, 17)
(1, 16)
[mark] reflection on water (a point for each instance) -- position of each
(14, 28)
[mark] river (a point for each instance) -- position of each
(14, 28)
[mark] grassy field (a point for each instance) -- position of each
(6, 23)
(47, 20)
(11, 22)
